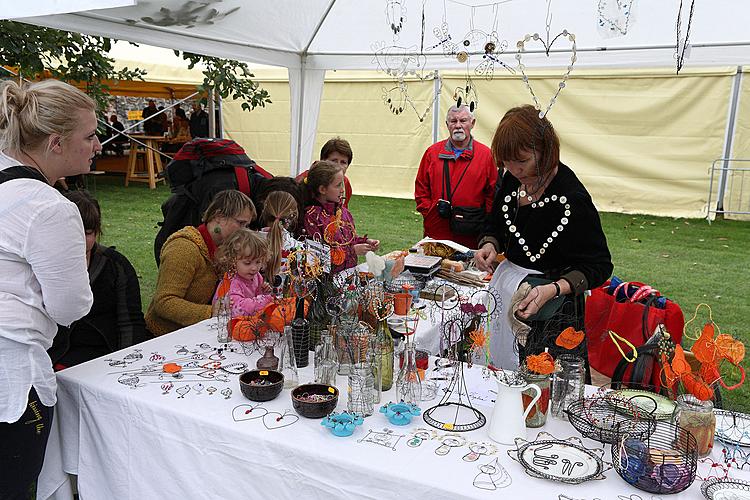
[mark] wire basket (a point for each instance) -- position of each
(664, 462)
(599, 417)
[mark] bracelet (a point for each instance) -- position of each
(557, 289)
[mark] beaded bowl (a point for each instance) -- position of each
(261, 385)
(314, 400)
(664, 462)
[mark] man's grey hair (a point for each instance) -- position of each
(456, 109)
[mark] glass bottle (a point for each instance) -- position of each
(223, 320)
(537, 416)
(568, 384)
(287, 364)
(696, 417)
(384, 353)
(409, 385)
(301, 336)
(326, 360)
(360, 389)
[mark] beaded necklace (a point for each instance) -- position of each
(515, 231)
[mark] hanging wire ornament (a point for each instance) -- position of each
(614, 17)
(445, 41)
(395, 16)
(547, 43)
(683, 42)
(467, 95)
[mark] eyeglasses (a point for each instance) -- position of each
(240, 222)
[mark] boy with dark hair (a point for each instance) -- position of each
(338, 151)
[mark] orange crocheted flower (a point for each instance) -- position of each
(478, 338)
(570, 338)
(729, 348)
(337, 256)
(542, 363)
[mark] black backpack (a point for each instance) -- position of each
(199, 170)
(21, 172)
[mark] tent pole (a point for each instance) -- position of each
(728, 136)
(211, 113)
(295, 166)
(436, 107)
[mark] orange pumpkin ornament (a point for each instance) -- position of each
(337, 256)
(570, 338)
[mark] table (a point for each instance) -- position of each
(129, 438)
(152, 160)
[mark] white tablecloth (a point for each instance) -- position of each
(135, 442)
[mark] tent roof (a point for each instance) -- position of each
(347, 34)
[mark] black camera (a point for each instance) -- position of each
(444, 209)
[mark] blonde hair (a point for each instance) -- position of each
(242, 244)
(279, 205)
(229, 203)
(32, 112)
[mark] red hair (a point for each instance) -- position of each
(521, 129)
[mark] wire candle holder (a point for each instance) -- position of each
(663, 462)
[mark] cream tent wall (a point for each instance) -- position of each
(642, 141)
(737, 197)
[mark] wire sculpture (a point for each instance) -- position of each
(683, 42)
(614, 16)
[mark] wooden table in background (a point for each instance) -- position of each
(151, 158)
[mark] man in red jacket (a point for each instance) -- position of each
(471, 179)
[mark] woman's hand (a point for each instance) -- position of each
(537, 297)
(485, 257)
(374, 244)
(361, 248)
(265, 288)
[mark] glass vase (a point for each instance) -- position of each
(568, 384)
(384, 353)
(537, 416)
(301, 341)
(696, 417)
(326, 360)
(409, 385)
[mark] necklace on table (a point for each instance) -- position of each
(541, 202)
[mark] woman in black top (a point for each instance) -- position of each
(544, 221)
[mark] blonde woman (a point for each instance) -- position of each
(47, 131)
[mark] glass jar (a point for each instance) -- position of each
(568, 384)
(384, 347)
(696, 417)
(537, 416)
(326, 360)
(409, 385)
(301, 341)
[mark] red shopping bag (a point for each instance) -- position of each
(632, 310)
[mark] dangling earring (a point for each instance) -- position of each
(217, 230)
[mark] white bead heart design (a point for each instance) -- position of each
(514, 231)
(535, 37)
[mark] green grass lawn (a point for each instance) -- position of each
(688, 260)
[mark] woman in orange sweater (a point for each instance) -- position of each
(187, 276)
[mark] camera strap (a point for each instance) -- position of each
(447, 193)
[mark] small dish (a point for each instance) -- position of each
(563, 460)
(656, 405)
(726, 489)
(732, 428)
(314, 400)
(342, 424)
(270, 388)
(400, 413)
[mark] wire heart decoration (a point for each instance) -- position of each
(248, 412)
(275, 420)
(547, 45)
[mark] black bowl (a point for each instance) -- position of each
(316, 409)
(261, 392)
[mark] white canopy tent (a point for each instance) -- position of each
(308, 37)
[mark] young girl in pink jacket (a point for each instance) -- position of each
(242, 256)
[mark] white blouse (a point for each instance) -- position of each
(44, 282)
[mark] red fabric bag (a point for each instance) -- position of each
(633, 316)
